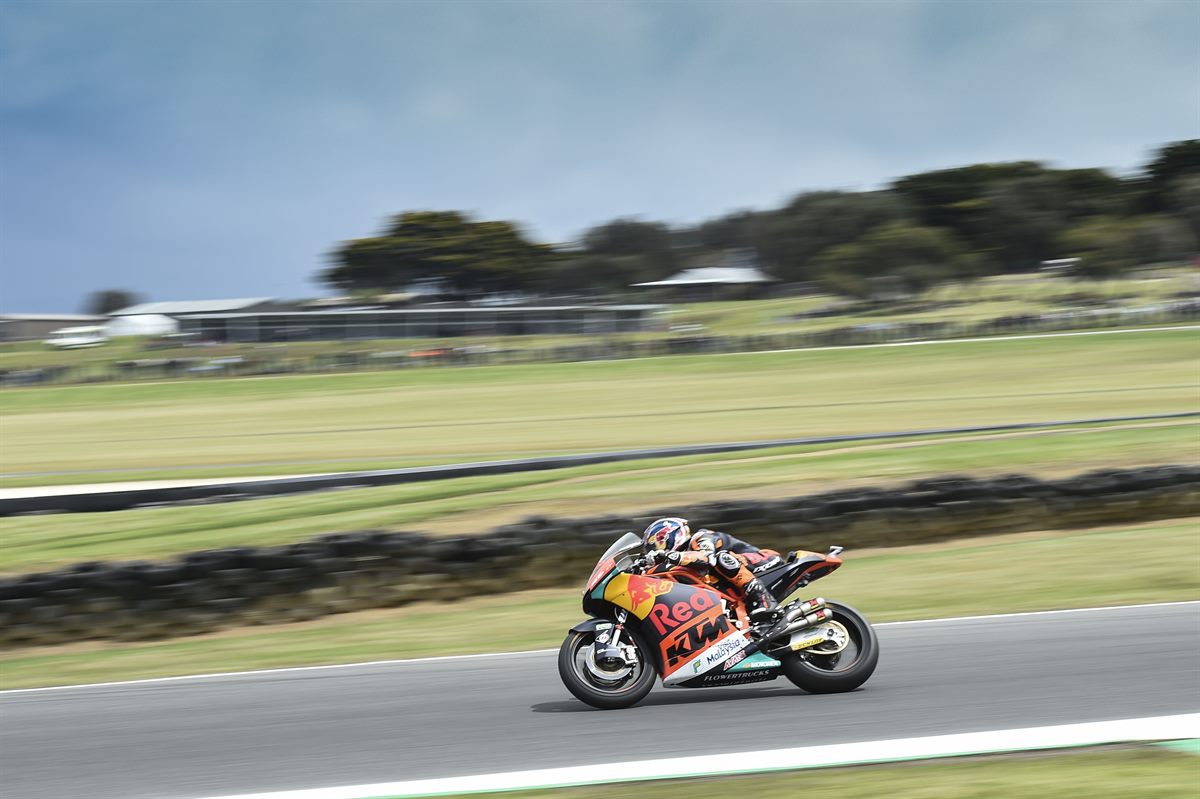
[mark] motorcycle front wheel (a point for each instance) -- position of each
(598, 685)
(842, 671)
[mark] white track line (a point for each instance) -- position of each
(444, 658)
(1160, 728)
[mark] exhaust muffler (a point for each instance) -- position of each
(806, 614)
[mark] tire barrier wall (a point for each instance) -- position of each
(208, 590)
(212, 493)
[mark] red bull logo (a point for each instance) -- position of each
(635, 593)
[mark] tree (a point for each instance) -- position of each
(789, 239)
(577, 272)
(368, 264)
(635, 251)
(916, 257)
(103, 303)
(617, 254)
(1013, 214)
(846, 269)
(737, 231)
(955, 198)
(1105, 247)
(1172, 163)
(1160, 238)
(470, 255)
(1185, 203)
(1093, 192)
(1020, 220)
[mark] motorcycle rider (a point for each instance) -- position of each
(670, 542)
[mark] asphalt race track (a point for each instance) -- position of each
(384, 722)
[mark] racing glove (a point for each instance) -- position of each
(657, 556)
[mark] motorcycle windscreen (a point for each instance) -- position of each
(618, 556)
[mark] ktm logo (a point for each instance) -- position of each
(691, 640)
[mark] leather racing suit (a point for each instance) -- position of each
(733, 561)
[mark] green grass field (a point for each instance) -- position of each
(1144, 772)
(429, 416)
(1028, 571)
(474, 505)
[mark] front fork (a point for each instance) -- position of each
(608, 645)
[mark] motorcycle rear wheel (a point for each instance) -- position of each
(595, 691)
(836, 673)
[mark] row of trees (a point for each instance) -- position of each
(923, 229)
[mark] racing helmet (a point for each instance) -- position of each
(667, 535)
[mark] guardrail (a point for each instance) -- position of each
(203, 591)
(90, 502)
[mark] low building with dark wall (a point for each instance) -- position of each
(424, 322)
(157, 318)
(38, 326)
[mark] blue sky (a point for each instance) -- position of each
(188, 150)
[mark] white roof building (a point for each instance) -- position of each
(150, 324)
(729, 268)
(192, 307)
(712, 276)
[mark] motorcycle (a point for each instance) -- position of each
(680, 626)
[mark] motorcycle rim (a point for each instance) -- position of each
(578, 671)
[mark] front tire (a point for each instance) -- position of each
(582, 680)
(837, 673)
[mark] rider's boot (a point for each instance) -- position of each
(761, 606)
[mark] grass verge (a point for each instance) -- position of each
(472, 505)
(422, 415)
(1026, 571)
(1087, 774)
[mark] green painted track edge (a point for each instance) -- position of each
(1189, 746)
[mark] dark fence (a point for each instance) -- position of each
(203, 591)
(274, 360)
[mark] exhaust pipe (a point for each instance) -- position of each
(806, 614)
(812, 619)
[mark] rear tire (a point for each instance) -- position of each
(599, 693)
(844, 671)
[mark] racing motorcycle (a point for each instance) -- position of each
(680, 626)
